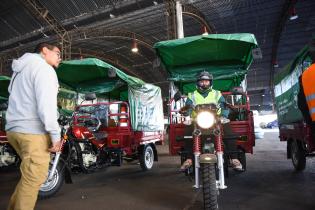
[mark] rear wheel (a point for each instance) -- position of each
(210, 192)
(242, 158)
(50, 187)
(146, 157)
(298, 155)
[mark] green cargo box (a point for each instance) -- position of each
(287, 88)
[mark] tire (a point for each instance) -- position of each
(298, 155)
(242, 158)
(210, 192)
(49, 189)
(146, 157)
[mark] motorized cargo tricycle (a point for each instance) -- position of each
(125, 126)
(293, 128)
(227, 57)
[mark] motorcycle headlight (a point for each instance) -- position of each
(205, 119)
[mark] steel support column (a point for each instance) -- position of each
(39, 11)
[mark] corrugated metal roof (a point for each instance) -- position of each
(147, 19)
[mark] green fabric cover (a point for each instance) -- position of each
(67, 99)
(146, 108)
(93, 75)
(287, 88)
(226, 56)
(4, 84)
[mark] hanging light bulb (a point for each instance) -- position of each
(134, 47)
(205, 31)
(111, 15)
(275, 64)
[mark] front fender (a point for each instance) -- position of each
(208, 158)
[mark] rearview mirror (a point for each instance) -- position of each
(237, 90)
(3, 106)
(177, 96)
(111, 73)
(90, 96)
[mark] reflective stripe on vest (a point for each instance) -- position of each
(310, 97)
(312, 111)
(308, 77)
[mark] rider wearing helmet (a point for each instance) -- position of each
(204, 94)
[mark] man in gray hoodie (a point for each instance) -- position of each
(32, 120)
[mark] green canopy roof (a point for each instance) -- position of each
(93, 75)
(226, 56)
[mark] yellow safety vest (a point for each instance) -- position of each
(197, 99)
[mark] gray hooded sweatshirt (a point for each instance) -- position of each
(33, 97)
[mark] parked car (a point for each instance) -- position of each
(272, 124)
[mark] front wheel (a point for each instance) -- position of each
(210, 192)
(50, 187)
(146, 157)
(298, 155)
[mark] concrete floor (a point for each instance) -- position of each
(269, 183)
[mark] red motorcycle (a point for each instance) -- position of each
(206, 133)
(208, 168)
(100, 135)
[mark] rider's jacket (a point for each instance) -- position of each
(214, 96)
(309, 89)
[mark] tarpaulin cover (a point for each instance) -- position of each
(4, 84)
(146, 108)
(226, 56)
(67, 99)
(93, 75)
(287, 88)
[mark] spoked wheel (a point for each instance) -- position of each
(50, 187)
(146, 158)
(210, 192)
(298, 155)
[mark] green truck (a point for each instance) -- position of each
(292, 126)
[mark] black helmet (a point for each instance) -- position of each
(204, 75)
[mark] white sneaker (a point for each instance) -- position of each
(236, 165)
